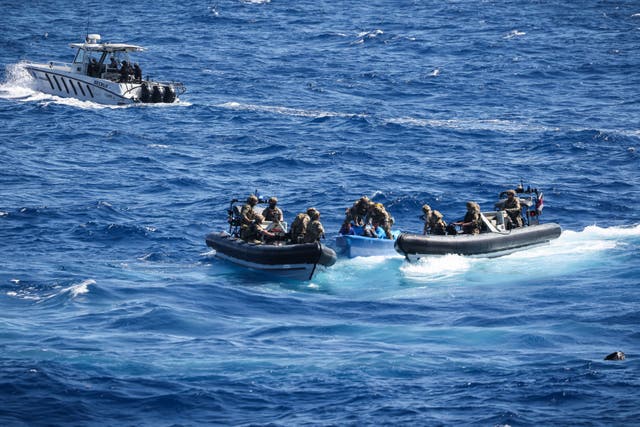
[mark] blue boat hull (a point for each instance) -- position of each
(355, 246)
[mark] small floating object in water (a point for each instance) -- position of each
(616, 355)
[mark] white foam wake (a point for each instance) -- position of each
(29, 292)
(573, 251)
(285, 111)
(80, 288)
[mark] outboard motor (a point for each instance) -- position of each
(156, 94)
(169, 94)
(145, 93)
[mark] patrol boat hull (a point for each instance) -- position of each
(355, 246)
(296, 261)
(491, 244)
(90, 78)
(61, 80)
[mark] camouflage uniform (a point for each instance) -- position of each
(378, 214)
(426, 210)
(256, 233)
(436, 225)
(272, 213)
(472, 222)
(513, 209)
(359, 210)
(299, 227)
(314, 230)
(247, 216)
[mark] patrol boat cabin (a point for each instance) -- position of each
(102, 73)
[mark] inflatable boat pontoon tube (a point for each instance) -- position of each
(296, 261)
(490, 244)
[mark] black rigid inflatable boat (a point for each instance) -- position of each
(297, 261)
(499, 235)
(414, 246)
(294, 261)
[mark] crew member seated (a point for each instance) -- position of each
(272, 212)
(374, 231)
(347, 228)
(513, 209)
(256, 232)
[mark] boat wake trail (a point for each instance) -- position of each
(572, 252)
(18, 84)
(285, 111)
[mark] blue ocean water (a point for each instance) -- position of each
(114, 311)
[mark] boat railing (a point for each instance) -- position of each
(276, 226)
(114, 76)
(59, 64)
(177, 86)
(494, 221)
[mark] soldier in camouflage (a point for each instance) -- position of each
(513, 209)
(273, 213)
(256, 233)
(437, 226)
(247, 215)
(377, 213)
(315, 230)
(358, 211)
(472, 222)
(298, 228)
(426, 211)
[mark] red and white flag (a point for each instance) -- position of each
(540, 203)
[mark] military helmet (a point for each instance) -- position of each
(273, 200)
(363, 201)
(511, 192)
(252, 199)
(313, 213)
(426, 208)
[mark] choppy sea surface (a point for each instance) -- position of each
(114, 312)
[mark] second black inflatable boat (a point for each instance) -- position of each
(498, 236)
(415, 246)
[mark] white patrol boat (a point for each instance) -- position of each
(102, 73)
